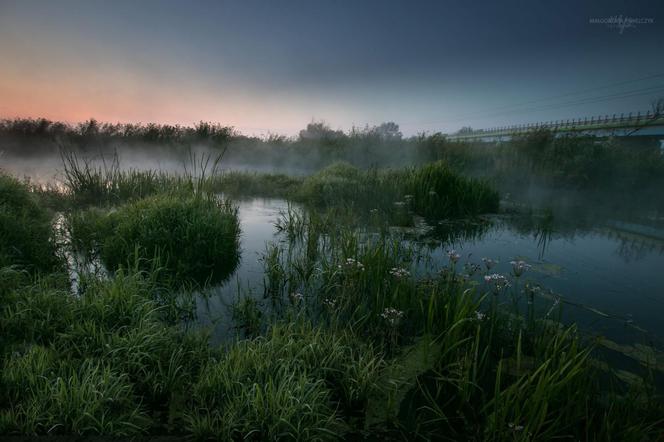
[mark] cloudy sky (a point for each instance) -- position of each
(272, 66)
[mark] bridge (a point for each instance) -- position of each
(648, 124)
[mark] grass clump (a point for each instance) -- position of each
(438, 192)
(106, 184)
(191, 239)
(105, 362)
(26, 234)
(297, 383)
(432, 191)
(57, 397)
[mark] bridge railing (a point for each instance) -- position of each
(614, 121)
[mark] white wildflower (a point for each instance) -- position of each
(519, 267)
(512, 426)
(330, 303)
(399, 272)
(453, 255)
(353, 264)
(392, 315)
(498, 281)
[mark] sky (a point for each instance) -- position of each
(274, 66)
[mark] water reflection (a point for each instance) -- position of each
(612, 267)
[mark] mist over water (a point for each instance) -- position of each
(597, 245)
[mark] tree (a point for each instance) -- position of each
(318, 130)
(388, 131)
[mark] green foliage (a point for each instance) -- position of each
(87, 184)
(347, 341)
(432, 191)
(184, 239)
(469, 375)
(102, 362)
(51, 396)
(26, 234)
(437, 192)
(287, 385)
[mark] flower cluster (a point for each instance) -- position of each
(512, 426)
(519, 267)
(453, 255)
(392, 315)
(479, 315)
(399, 272)
(351, 264)
(498, 281)
(489, 263)
(330, 303)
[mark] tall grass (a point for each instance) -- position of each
(90, 184)
(432, 191)
(99, 363)
(438, 192)
(455, 370)
(296, 383)
(26, 235)
(356, 335)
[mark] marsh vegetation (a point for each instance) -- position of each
(361, 328)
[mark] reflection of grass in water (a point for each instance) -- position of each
(544, 232)
(453, 232)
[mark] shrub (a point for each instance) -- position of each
(26, 235)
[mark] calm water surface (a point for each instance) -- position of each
(614, 267)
